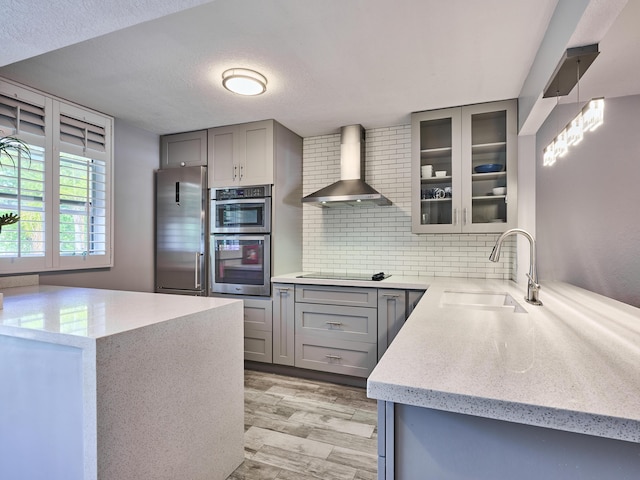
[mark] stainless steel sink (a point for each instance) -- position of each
(494, 301)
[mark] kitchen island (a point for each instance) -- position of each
(119, 385)
(484, 391)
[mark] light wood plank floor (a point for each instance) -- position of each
(297, 429)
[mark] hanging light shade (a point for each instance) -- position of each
(549, 157)
(575, 131)
(593, 114)
(244, 81)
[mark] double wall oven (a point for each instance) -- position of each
(240, 246)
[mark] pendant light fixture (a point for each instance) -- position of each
(562, 82)
(244, 81)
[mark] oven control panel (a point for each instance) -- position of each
(234, 193)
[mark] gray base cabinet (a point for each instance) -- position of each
(332, 329)
(394, 307)
(335, 355)
(417, 442)
(283, 324)
(392, 313)
(258, 330)
(336, 329)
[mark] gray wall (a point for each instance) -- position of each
(588, 204)
(136, 156)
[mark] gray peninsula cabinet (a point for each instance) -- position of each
(424, 443)
(343, 330)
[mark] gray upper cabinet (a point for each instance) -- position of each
(183, 149)
(241, 154)
(464, 169)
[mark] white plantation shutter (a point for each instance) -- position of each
(82, 134)
(18, 116)
(84, 179)
(23, 181)
(63, 194)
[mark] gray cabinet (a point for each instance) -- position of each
(394, 307)
(183, 149)
(241, 154)
(258, 328)
(283, 324)
(333, 329)
(417, 442)
(336, 329)
(392, 313)
(413, 297)
(464, 169)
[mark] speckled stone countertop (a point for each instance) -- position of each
(149, 369)
(572, 364)
(46, 312)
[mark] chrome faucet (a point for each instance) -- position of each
(533, 287)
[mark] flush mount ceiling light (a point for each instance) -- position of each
(244, 81)
(572, 66)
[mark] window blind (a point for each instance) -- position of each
(22, 192)
(18, 116)
(82, 134)
(83, 206)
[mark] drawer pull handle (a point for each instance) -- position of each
(283, 290)
(334, 324)
(333, 357)
(391, 295)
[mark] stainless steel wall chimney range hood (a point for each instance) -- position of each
(351, 189)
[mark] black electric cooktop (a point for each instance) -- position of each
(376, 277)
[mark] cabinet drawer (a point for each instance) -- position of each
(350, 296)
(357, 324)
(336, 356)
(258, 315)
(258, 346)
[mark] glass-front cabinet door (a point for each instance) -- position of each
(489, 154)
(436, 146)
(464, 169)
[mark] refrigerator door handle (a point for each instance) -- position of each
(197, 285)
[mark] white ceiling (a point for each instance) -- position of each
(329, 63)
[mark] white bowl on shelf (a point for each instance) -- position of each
(441, 173)
(499, 190)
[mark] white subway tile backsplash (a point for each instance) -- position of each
(368, 239)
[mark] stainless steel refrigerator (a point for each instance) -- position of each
(181, 231)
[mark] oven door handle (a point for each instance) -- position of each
(236, 201)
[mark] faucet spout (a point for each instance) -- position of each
(533, 287)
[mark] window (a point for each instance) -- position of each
(63, 192)
(22, 192)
